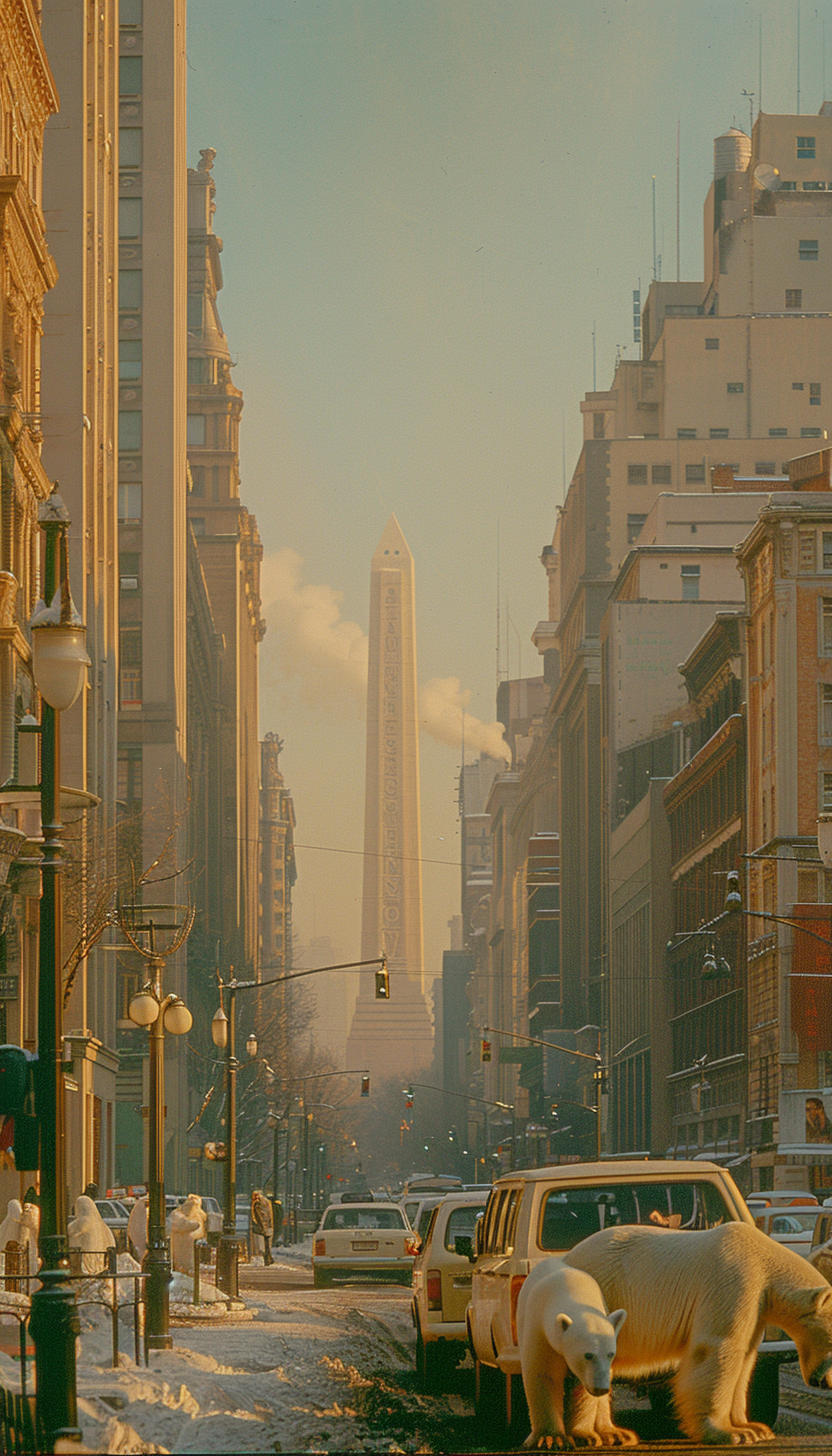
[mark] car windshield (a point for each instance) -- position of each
(363, 1218)
(461, 1222)
(572, 1214)
(210, 1205)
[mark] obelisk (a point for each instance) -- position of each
(395, 1037)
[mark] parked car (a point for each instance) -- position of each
(793, 1226)
(781, 1198)
(214, 1218)
(115, 1216)
(442, 1286)
(419, 1210)
(371, 1239)
(539, 1212)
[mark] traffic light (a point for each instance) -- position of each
(733, 897)
(365, 1086)
(601, 1078)
(485, 1050)
(408, 1094)
(382, 982)
(554, 1109)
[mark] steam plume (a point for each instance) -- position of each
(321, 649)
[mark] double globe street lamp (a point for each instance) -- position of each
(224, 1034)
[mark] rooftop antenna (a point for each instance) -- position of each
(823, 57)
(498, 603)
(563, 446)
(760, 71)
(678, 267)
(749, 96)
(798, 57)
(594, 380)
(654, 229)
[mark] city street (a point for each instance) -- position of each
(328, 1370)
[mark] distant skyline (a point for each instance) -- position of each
(426, 211)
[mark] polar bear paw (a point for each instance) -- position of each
(548, 1441)
(746, 1435)
(618, 1436)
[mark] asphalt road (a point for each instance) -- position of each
(447, 1423)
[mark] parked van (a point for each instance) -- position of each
(539, 1212)
(442, 1287)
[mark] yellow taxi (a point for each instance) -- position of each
(355, 1239)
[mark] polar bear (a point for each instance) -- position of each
(562, 1324)
(697, 1304)
(187, 1224)
(88, 1232)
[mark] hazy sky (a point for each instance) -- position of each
(425, 208)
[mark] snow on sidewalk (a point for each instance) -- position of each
(301, 1376)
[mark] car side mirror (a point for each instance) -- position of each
(464, 1247)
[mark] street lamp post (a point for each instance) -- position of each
(224, 1034)
(150, 1007)
(59, 662)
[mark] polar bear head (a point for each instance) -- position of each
(588, 1347)
(811, 1331)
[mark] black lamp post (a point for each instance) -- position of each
(59, 661)
(224, 1034)
(150, 1007)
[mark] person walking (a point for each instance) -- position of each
(261, 1224)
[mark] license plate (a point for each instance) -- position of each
(373, 1244)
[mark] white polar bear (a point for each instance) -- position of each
(562, 1324)
(187, 1224)
(137, 1227)
(697, 1305)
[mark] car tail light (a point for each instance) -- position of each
(411, 1246)
(320, 1247)
(517, 1283)
(433, 1285)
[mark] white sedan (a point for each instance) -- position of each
(356, 1239)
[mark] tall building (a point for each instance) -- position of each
(28, 271)
(227, 545)
(79, 403)
(152, 484)
(395, 1037)
(278, 871)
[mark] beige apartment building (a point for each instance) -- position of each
(152, 487)
(79, 403)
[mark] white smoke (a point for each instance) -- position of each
(312, 642)
(319, 648)
(442, 705)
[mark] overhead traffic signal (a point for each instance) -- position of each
(733, 897)
(382, 982)
(365, 1086)
(485, 1050)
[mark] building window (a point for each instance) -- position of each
(129, 429)
(129, 146)
(806, 148)
(130, 75)
(718, 433)
(825, 644)
(130, 667)
(685, 434)
(765, 467)
(129, 502)
(812, 432)
(736, 387)
(196, 429)
(695, 474)
(794, 298)
(712, 343)
(778, 433)
(636, 474)
(806, 550)
(598, 427)
(797, 385)
(634, 525)
(198, 480)
(198, 525)
(690, 583)
(129, 217)
(130, 288)
(662, 474)
(128, 570)
(826, 793)
(195, 310)
(130, 12)
(827, 550)
(130, 359)
(198, 371)
(814, 394)
(807, 250)
(129, 781)
(825, 714)
(814, 186)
